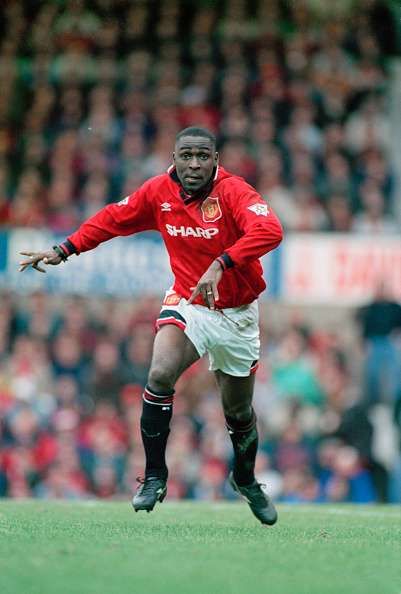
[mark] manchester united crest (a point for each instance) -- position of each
(211, 210)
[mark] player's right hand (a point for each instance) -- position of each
(207, 286)
(34, 258)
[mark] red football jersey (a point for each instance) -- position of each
(232, 219)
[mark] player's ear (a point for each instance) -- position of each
(174, 157)
(216, 158)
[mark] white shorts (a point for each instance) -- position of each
(230, 336)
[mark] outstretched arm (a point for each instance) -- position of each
(131, 215)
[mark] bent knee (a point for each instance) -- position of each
(162, 378)
(240, 414)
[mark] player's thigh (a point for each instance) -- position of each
(236, 393)
(173, 353)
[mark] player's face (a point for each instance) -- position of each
(195, 158)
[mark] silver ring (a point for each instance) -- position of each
(210, 292)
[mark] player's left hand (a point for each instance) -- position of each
(207, 285)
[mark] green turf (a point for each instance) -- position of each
(197, 548)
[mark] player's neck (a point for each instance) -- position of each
(200, 194)
(190, 196)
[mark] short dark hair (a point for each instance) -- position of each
(195, 131)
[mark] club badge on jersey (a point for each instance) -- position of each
(211, 210)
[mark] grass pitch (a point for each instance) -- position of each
(197, 548)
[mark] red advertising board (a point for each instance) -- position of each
(342, 269)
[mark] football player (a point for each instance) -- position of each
(215, 227)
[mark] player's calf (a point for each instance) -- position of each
(244, 437)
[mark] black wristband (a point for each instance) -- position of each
(60, 252)
(68, 247)
(228, 263)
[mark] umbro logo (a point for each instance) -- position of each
(166, 207)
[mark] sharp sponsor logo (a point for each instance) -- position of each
(183, 231)
(259, 209)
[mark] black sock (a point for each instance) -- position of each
(244, 436)
(157, 411)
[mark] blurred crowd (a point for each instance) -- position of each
(72, 371)
(92, 95)
(93, 92)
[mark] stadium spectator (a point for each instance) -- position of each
(380, 323)
(104, 381)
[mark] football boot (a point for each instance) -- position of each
(260, 504)
(151, 490)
